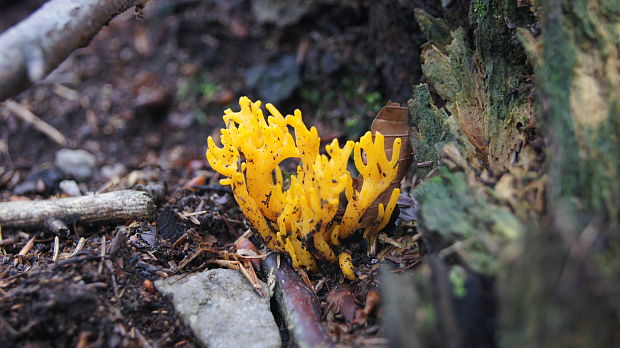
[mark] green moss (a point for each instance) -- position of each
(610, 8)
(427, 130)
(459, 213)
(484, 85)
(478, 9)
(436, 30)
(555, 76)
(457, 278)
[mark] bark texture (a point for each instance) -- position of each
(520, 214)
(566, 290)
(34, 47)
(50, 214)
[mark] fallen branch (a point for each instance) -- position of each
(298, 305)
(56, 214)
(37, 45)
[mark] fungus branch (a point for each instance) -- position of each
(301, 220)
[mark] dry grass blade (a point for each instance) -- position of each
(79, 246)
(102, 254)
(56, 249)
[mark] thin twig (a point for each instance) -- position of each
(102, 254)
(425, 164)
(8, 241)
(29, 117)
(24, 250)
(1, 242)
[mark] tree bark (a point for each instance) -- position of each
(566, 290)
(37, 45)
(523, 208)
(56, 214)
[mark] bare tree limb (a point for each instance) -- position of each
(37, 45)
(55, 214)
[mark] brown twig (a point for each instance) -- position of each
(24, 251)
(8, 241)
(28, 116)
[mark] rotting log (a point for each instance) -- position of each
(524, 207)
(37, 45)
(298, 305)
(478, 199)
(563, 288)
(56, 214)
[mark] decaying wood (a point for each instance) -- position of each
(37, 45)
(57, 214)
(542, 240)
(298, 304)
(563, 289)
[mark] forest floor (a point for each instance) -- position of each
(142, 98)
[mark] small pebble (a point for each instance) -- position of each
(112, 171)
(77, 163)
(70, 188)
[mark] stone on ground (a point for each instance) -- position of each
(222, 309)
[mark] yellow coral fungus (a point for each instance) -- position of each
(346, 265)
(301, 220)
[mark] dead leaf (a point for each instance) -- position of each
(391, 121)
(372, 302)
(341, 300)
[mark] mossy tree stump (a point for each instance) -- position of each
(522, 206)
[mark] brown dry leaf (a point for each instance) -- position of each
(198, 180)
(373, 299)
(391, 121)
(340, 300)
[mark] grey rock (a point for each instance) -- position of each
(276, 81)
(77, 163)
(284, 12)
(280, 13)
(222, 309)
(113, 171)
(70, 188)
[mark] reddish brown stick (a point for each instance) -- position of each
(298, 305)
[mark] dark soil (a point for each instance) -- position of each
(142, 98)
